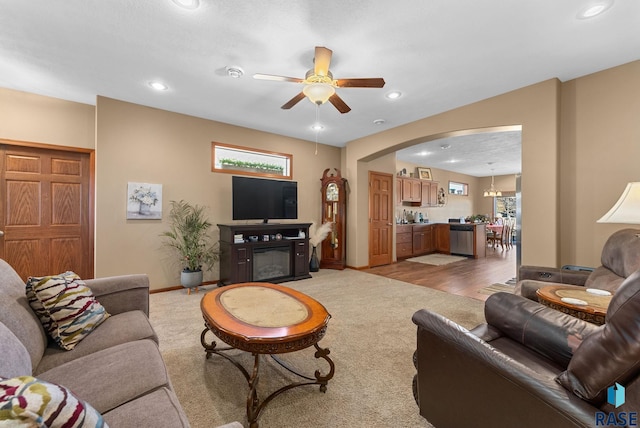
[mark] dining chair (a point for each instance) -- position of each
(505, 237)
(501, 237)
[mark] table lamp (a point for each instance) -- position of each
(627, 209)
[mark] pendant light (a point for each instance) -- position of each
(492, 192)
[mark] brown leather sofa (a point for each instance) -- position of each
(528, 365)
(620, 258)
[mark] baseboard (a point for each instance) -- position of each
(357, 267)
(178, 287)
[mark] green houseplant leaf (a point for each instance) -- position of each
(188, 236)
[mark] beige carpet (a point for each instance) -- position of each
(371, 338)
(436, 259)
(495, 288)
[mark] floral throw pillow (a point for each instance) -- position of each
(65, 306)
(29, 402)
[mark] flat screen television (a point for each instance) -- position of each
(264, 199)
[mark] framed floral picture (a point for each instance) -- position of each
(424, 173)
(144, 201)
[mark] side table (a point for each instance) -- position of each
(588, 304)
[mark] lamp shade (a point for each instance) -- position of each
(492, 193)
(318, 93)
(627, 209)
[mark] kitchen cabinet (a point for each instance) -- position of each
(411, 190)
(415, 239)
(418, 239)
(404, 240)
(443, 244)
(423, 193)
(429, 193)
(423, 241)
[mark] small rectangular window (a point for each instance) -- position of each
(245, 161)
(456, 188)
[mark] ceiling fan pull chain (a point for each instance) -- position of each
(317, 126)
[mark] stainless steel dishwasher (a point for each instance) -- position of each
(461, 239)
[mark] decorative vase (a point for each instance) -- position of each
(190, 279)
(145, 209)
(314, 263)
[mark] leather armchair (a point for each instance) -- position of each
(620, 258)
(528, 365)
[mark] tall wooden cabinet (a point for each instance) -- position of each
(334, 210)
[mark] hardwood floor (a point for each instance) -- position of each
(463, 278)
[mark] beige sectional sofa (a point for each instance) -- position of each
(117, 368)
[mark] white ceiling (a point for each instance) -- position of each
(479, 155)
(439, 54)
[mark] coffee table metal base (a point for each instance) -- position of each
(254, 406)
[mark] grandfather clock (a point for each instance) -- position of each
(334, 209)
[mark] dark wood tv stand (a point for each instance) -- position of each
(269, 252)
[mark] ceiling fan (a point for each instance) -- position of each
(320, 86)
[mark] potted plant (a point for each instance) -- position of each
(188, 236)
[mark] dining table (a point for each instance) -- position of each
(492, 231)
(495, 228)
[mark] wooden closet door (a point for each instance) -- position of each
(46, 215)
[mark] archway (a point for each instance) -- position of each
(458, 157)
(534, 108)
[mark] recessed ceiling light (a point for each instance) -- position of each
(445, 146)
(595, 9)
(234, 71)
(393, 95)
(158, 86)
(317, 127)
(187, 4)
(379, 121)
(423, 153)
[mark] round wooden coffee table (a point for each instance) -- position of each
(585, 303)
(263, 318)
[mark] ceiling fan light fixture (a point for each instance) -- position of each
(318, 93)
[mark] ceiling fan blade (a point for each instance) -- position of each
(293, 101)
(339, 104)
(322, 61)
(277, 78)
(377, 82)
